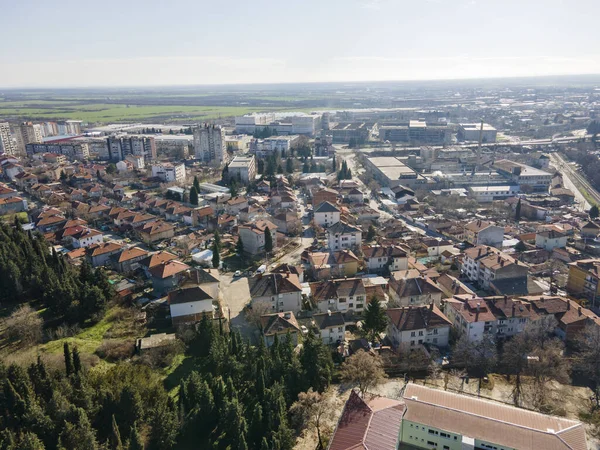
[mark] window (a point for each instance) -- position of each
(412, 334)
(444, 435)
(412, 343)
(359, 306)
(435, 331)
(340, 328)
(420, 341)
(420, 333)
(433, 444)
(435, 340)
(351, 305)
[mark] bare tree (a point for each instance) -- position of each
(364, 370)
(479, 357)
(588, 357)
(256, 311)
(24, 325)
(314, 411)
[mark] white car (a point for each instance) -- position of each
(237, 273)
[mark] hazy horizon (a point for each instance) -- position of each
(192, 43)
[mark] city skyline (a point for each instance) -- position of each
(200, 43)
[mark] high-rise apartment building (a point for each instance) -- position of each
(28, 133)
(120, 147)
(7, 145)
(209, 144)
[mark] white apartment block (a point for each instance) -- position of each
(7, 144)
(341, 236)
(243, 169)
(168, 172)
(209, 144)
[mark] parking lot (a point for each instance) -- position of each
(236, 295)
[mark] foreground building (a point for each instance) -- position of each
(435, 419)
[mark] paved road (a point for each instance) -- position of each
(574, 180)
(235, 295)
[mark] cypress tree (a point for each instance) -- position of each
(115, 439)
(135, 439)
(76, 361)
(268, 240)
(68, 360)
(518, 211)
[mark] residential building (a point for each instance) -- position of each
(359, 132)
(86, 237)
(280, 290)
(12, 205)
(472, 132)
(550, 239)
(209, 144)
(28, 133)
(590, 230)
(282, 325)
(122, 146)
(416, 325)
(326, 214)
(583, 278)
(242, 169)
(323, 266)
(253, 236)
(189, 305)
(7, 145)
(274, 145)
(168, 172)
(380, 258)
(486, 265)
(99, 254)
(348, 294)
(167, 275)
(324, 195)
(342, 236)
(331, 326)
(154, 231)
(415, 290)
(480, 232)
(129, 259)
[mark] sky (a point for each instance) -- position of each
(70, 43)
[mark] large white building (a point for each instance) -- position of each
(341, 236)
(472, 131)
(168, 172)
(243, 169)
(275, 144)
(121, 146)
(7, 145)
(209, 144)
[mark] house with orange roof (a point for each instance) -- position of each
(155, 231)
(167, 275)
(128, 259)
(99, 254)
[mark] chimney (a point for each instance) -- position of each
(431, 306)
(580, 312)
(505, 299)
(197, 277)
(568, 305)
(477, 312)
(542, 300)
(329, 312)
(513, 310)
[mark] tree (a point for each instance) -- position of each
(194, 196)
(239, 247)
(594, 212)
(76, 361)
(24, 325)
(352, 143)
(314, 411)
(479, 357)
(289, 165)
(334, 164)
(115, 439)
(111, 169)
(63, 176)
(68, 360)
(364, 370)
(256, 310)
(375, 319)
(371, 233)
(135, 439)
(216, 249)
(317, 365)
(587, 359)
(520, 247)
(268, 240)
(196, 183)
(233, 187)
(518, 211)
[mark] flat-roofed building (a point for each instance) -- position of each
(472, 131)
(522, 174)
(415, 132)
(485, 194)
(391, 172)
(360, 132)
(242, 168)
